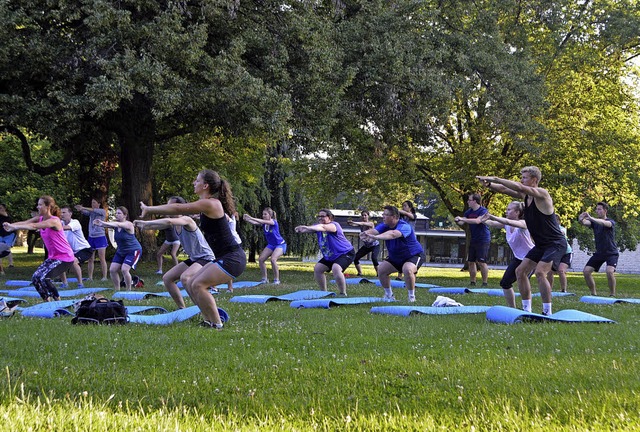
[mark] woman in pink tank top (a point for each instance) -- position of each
(60, 257)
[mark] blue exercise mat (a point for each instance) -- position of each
(240, 284)
(62, 293)
(173, 317)
(607, 300)
(507, 315)
(131, 310)
(49, 305)
(428, 310)
(461, 290)
(336, 301)
(298, 295)
(178, 284)
(18, 283)
(12, 301)
(141, 295)
(46, 313)
(394, 283)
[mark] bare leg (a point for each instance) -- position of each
(262, 262)
(274, 263)
(174, 253)
(318, 273)
(562, 276)
(339, 277)
(510, 297)
(90, 264)
(484, 272)
(588, 277)
(198, 289)
(102, 254)
(114, 270)
(472, 271)
(611, 279)
(126, 274)
(169, 279)
(160, 254)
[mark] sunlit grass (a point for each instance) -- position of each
(278, 368)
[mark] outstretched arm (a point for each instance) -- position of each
(210, 207)
(257, 221)
(33, 224)
(518, 223)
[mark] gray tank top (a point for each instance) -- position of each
(194, 244)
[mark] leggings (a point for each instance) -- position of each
(365, 250)
(41, 279)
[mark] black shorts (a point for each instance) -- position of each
(552, 253)
(202, 261)
(233, 263)
(418, 260)
(597, 260)
(83, 255)
(478, 252)
(343, 261)
(567, 258)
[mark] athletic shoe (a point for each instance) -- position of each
(342, 295)
(209, 324)
(472, 284)
(412, 299)
(80, 286)
(389, 297)
(264, 281)
(276, 281)
(64, 285)
(159, 272)
(484, 285)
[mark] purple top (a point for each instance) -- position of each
(333, 245)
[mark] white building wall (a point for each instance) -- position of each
(629, 261)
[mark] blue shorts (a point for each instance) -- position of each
(478, 252)
(282, 246)
(129, 258)
(98, 242)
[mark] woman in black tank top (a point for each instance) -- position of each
(216, 201)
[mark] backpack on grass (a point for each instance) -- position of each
(100, 310)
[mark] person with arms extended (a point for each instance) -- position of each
(7, 239)
(518, 239)
(565, 263)
(337, 251)
(406, 255)
(606, 248)
(193, 243)
(60, 256)
(480, 239)
(276, 246)
(539, 214)
(129, 250)
(372, 247)
(171, 243)
(97, 238)
(79, 244)
(214, 205)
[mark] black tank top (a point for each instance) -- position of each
(544, 229)
(218, 235)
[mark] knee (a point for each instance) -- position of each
(587, 271)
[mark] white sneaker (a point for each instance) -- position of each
(276, 282)
(389, 298)
(159, 272)
(412, 299)
(264, 281)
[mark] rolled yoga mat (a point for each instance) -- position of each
(298, 295)
(507, 315)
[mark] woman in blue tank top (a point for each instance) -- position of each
(215, 203)
(276, 246)
(129, 249)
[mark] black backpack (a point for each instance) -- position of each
(100, 311)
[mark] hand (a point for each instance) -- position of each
(8, 227)
(246, 217)
(78, 207)
(143, 209)
(139, 223)
(98, 222)
(300, 229)
(485, 217)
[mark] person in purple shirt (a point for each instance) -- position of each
(406, 255)
(337, 252)
(480, 238)
(276, 246)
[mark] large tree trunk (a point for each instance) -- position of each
(136, 134)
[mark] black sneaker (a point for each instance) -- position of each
(209, 324)
(472, 284)
(484, 285)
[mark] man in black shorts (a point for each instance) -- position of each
(550, 242)
(606, 247)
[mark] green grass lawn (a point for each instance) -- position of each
(278, 368)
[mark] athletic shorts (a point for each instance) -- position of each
(343, 261)
(282, 246)
(83, 255)
(202, 261)
(418, 260)
(597, 260)
(177, 242)
(478, 252)
(232, 263)
(129, 258)
(98, 242)
(552, 253)
(567, 258)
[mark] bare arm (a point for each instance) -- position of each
(504, 186)
(330, 227)
(587, 220)
(33, 224)
(257, 221)
(471, 221)
(364, 224)
(407, 214)
(518, 223)
(160, 224)
(126, 225)
(210, 207)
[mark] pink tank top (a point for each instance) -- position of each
(56, 243)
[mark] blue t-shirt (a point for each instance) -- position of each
(333, 245)
(272, 234)
(479, 233)
(401, 248)
(605, 238)
(126, 242)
